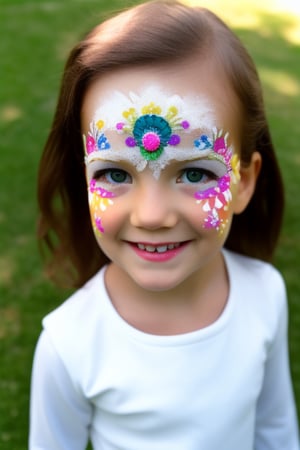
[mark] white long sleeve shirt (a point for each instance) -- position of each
(224, 387)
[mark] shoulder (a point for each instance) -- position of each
(79, 305)
(258, 285)
(258, 290)
(254, 272)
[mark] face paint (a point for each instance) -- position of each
(215, 200)
(137, 130)
(99, 200)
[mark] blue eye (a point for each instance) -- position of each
(112, 176)
(195, 175)
(117, 176)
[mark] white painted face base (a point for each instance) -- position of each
(152, 130)
(149, 130)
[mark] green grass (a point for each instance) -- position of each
(35, 39)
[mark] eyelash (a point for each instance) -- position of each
(104, 175)
(208, 175)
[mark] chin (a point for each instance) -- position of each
(157, 282)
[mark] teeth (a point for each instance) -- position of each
(162, 249)
(159, 248)
(150, 248)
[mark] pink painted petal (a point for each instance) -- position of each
(99, 225)
(90, 144)
(220, 146)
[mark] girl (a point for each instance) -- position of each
(161, 186)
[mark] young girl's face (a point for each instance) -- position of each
(162, 168)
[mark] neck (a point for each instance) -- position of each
(193, 304)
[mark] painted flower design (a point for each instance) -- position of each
(151, 131)
(215, 200)
(203, 142)
(216, 219)
(151, 134)
(96, 139)
(99, 200)
(102, 142)
(235, 166)
(216, 205)
(90, 144)
(98, 225)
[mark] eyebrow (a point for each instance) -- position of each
(179, 154)
(209, 156)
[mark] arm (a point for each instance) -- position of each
(59, 414)
(276, 420)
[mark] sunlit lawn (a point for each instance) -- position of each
(35, 37)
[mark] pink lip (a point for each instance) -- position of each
(155, 256)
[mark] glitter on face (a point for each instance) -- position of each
(144, 132)
(99, 200)
(215, 200)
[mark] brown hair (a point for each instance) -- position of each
(177, 32)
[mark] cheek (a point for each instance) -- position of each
(214, 204)
(99, 204)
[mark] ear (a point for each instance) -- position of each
(247, 183)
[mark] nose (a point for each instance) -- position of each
(153, 207)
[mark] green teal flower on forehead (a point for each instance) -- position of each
(151, 132)
(149, 129)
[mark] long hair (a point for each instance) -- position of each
(155, 32)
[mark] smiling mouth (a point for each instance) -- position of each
(158, 248)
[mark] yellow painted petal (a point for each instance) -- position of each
(100, 124)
